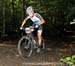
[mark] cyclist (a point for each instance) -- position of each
(38, 22)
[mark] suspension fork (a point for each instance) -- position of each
(29, 42)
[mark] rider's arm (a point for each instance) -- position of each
(24, 21)
(42, 21)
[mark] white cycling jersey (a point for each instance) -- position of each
(36, 18)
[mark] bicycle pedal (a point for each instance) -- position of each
(35, 46)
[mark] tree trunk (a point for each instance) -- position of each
(3, 18)
(23, 8)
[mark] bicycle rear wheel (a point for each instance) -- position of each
(25, 47)
(43, 44)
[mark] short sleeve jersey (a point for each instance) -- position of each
(36, 18)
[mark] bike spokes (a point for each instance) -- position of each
(25, 47)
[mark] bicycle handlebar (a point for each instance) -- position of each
(31, 27)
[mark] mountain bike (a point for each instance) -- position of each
(28, 43)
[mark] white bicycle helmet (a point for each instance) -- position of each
(29, 10)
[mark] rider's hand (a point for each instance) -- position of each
(21, 28)
(36, 26)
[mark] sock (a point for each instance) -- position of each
(40, 46)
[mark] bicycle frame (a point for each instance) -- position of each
(30, 35)
(27, 43)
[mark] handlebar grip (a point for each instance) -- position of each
(21, 28)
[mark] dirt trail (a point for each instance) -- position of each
(9, 55)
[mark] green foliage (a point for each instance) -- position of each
(55, 12)
(69, 60)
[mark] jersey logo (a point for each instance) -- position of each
(36, 22)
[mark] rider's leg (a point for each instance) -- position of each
(39, 34)
(39, 38)
(39, 41)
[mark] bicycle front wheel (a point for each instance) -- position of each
(25, 47)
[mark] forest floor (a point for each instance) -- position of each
(50, 57)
